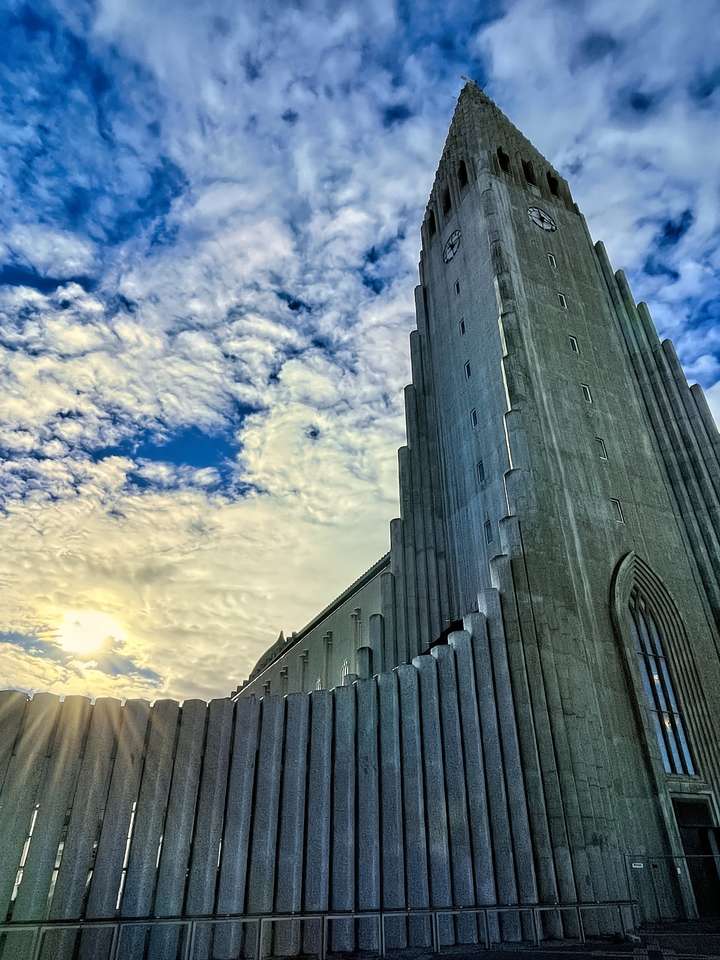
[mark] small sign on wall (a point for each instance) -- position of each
(637, 866)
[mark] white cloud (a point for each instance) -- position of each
(51, 252)
(243, 292)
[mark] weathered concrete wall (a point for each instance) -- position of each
(405, 789)
(318, 656)
(540, 525)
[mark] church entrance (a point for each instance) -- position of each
(701, 845)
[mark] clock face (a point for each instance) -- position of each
(452, 245)
(541, 219)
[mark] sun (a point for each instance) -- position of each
(86, 632)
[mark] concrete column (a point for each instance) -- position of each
(291, 838)
(376, 632)
(433, 768)
(178, 830)
(327, 658)
(342, 884)
(151, 809)
(56, 794)
(87, 810)
(388, 602)
(364, 656)
(206, 848)
(117, 819)
(232, 884)
(426, 477)
(463, 881)
(139, 890)
(689, 426)
(495, 775)
(514, 701)
(317, 855)
(368, 810)
(710, 439)
(397, 559)
(391, 803)
(25, 772)
(424, 587)
(478, 814)
(261, 879)
(410, 565)
(416, 854)
(263, 839)
(12, 711)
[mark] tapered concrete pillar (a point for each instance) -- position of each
(391, 804)
(291, 837)
(342, 883)
(416, 851)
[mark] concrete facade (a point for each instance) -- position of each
(517, 705)
(335, 645)
(556, 454)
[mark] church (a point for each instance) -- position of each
(508, 728)
(557, 464)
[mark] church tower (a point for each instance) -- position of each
(558, 460)
(559, 500)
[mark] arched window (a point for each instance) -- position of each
(318, 683)
(462, 174)
(344, 670)
(446, 201)
(432, 226)
(648, 642)
(503, 159)
(553, 184)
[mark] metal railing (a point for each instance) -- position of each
(191, 925)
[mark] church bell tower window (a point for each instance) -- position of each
(503, 160)
(529, 172)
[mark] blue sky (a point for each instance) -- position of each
(208, 248)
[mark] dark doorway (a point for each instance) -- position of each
(701, 845)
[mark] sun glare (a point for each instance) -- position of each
(86, 632)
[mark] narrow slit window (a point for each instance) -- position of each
(562, 300)
(529, 172)
(468, 371)
(602, 449)
(474, 418)
(553, 183)
(462, 174)
(432, 226)
(552, 261)
(488, 532)
(480, 470)
(457, 287)
(574, 344)
(446, 201)
(586, 392)
(618, 511)
(503, 160)
(461, 327)
(648, 639)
